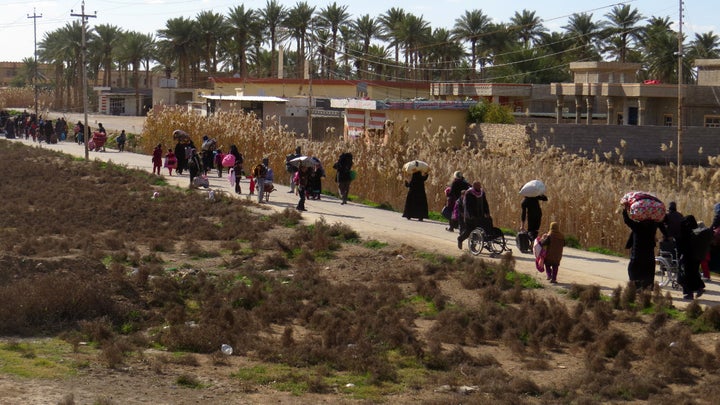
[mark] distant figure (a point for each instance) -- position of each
(259, 173)
(457, 186)
(291, 168)
(671, 222)
(553, 242)
(170, 161)
(476, 211)
(641, 268)
(79, 133)
(157, 159)
(689, 279)
(180, 156)
(194, 165)
(531, 211)
(303, 176)
(121, 141)
(315, 182)
(344, 175)
(238, 168)
(416, 205)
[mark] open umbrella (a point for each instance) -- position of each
(303, 161)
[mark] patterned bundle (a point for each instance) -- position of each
(643, 206)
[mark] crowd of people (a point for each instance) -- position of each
(694, 247)
(30, 126)
(466, 206)
(305, 172)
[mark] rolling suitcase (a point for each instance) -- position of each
(523, 242)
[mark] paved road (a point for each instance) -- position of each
(577, 266)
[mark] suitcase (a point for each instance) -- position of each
(523, 242)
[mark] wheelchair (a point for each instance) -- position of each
(668, 263)
(488, 238)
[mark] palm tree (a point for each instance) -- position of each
(391, 23)
(556, 46)
(622, 30)
(585, 36)
(322, 48)
(415, 33)
(348, 37)
(377, 58)
(704, 46)
(367, 29)
(528, 27)
(63, 48)
(50, 50)
(659, 44)
(243, 28)
(107, 37)
(497, 40)
(470, 27)
(272, 17)
(444, 56)
(212, 27)
(332, 17)
(179, 43)
(298, 20)
(134, 48)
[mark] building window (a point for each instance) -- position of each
(117, 106)
(668, 120)
(712, 121)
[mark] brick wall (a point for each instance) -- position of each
(641, 143)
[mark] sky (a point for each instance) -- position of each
(148, 16)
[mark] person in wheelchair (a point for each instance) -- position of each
(476, 212)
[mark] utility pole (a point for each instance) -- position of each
(310, 75)
(678, 180)
(84, 72)
(35, 16)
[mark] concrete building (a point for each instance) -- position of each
(609, 93)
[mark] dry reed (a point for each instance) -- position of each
(583, 193)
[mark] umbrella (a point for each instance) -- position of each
(303, 161)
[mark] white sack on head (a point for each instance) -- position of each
(533, 188)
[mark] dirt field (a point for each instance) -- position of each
(110, 296)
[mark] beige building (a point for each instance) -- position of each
(320, 88)
(10, 70)
(609, 93)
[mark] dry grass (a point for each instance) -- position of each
(24, 97)
(583, 193)
(308, 297)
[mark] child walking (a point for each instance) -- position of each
(218, 161)
(157, 159)
(170, 161)
(553, 241)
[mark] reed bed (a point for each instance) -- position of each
(24, 97)
(583, 193)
